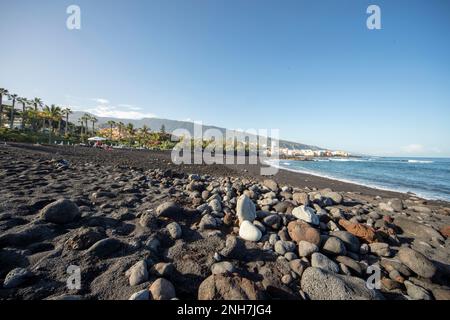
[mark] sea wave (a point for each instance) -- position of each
(347, 160)
(420, 161)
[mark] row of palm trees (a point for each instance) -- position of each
(37, 117)
(128, 131)
(129, 135)
(34, 113)
(85, 121)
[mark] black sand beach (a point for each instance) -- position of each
(140, 228)
(144, 159)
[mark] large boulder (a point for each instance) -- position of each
(359, 230)
(16, 277)
(162, 289)
(245, 209)
(223, 287)
(351, 242)
(138, 273)
(208, 222)
(140, 295)
(334, 196)
(381, 249)
(60, 212)
(353, 265)
(301, 198)
(301, 231)
(396, 204)
(416, 292)
(271, 185)
(248, 231)
(105, 248)
(306, 214)
(305, 248)
(215, 205)
(274, 221)
(84, 238)
(319, 284)
(31, 233)
(334, 246)
(283, 207)
(222, 267)
(168, 209)
(417, 262)
(417, 230)
(174, 230)
(234, 248)
(321, 261)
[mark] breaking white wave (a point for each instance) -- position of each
(420, 161)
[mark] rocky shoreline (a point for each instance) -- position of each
(156, 231)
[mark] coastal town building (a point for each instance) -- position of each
(308, 153)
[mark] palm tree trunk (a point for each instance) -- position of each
(1, 111)
(34, 121)
(11, 123)
(50, 127)
(67, 123)
(23, 116)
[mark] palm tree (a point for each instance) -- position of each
(81, 121)
(12, 97)
(145, 130)
(3, 92)
(111, 124)
(93, 120)
(44, 115)
(52, 114)
(37, 102)
(66, 112)
(86, 117)
(121, 126)
(47, 115)
(24, 103)
(55, 116)
(131, 132)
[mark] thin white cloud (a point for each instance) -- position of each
(130, 107)
(413, 148)
(102, 110)
(101, 100)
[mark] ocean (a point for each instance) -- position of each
(426, 177)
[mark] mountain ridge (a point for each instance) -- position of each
(170, 125)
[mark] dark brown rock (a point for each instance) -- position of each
(224, 287)
(302, 231)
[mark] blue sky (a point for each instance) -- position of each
(310, 68)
